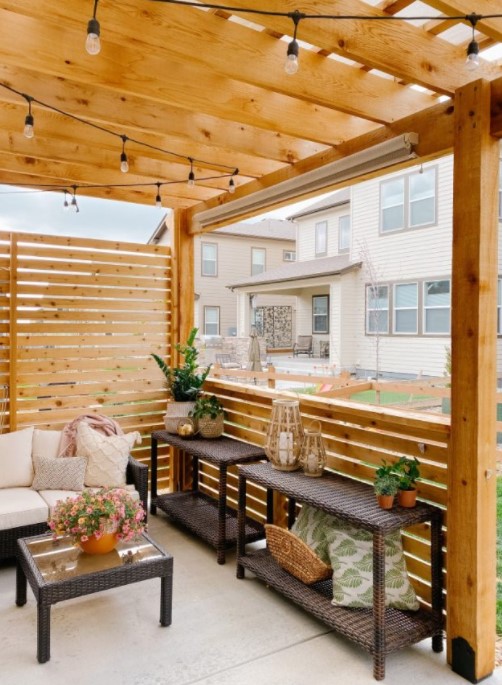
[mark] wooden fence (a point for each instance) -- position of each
(78, 321)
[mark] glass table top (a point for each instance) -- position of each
(61, 559)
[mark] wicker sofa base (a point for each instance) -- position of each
(136, 474)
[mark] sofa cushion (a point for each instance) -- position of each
(45, 443)
(107, 456)
(21, 507)
(16, 466)
(59, 474)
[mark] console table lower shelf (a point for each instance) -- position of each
(199, 513)
(402, 628)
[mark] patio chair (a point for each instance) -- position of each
(227, 361)
(303, 346)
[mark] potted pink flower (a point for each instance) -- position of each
(105, 516)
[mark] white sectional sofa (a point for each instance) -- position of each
(33, 477)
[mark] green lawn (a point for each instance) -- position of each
(370, 397)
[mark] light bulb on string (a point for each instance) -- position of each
(73, 202)
(93, 42)
(472, 60)
(191, 175)
(158, 199)
(124, 164)
(66, 206)
(231, 186)
(29, 122)
(291, 64)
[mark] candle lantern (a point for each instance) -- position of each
(313, 454)
(285, 435)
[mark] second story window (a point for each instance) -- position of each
(377, 309)
(437, 307)
(209, 259)
(288, 256)
(408, 202)
(321, 238)
(258, 255)
(344, 233)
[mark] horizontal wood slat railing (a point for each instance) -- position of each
(78, 321)
(357, 437)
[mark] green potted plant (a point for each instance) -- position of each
(209, 413)
(184, 382)
(408, 472)
(386, 487)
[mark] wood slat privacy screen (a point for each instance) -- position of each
(78, 321)
(357, 437)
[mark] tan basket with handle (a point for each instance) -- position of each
(211, 428)
(295, 556)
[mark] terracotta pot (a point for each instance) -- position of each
(385, 501)
(407, 498)
(106, 543)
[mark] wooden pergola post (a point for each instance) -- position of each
(182, 305)
(471, 589)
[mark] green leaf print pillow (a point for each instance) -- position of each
(350, 550)
(311, 526)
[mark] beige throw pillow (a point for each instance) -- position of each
(107, 456)
(16, 466)
(59, 474)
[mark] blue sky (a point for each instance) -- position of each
(30, 211)
(42, 212)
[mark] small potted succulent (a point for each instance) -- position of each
(408, 472)
(386, 487)
(210, 416)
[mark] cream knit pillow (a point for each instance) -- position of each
(107, 456)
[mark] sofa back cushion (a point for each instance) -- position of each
(46, 443)
(16, 466)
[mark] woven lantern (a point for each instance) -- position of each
(313, 454)
(285, 435)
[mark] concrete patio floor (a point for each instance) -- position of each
(224, 632)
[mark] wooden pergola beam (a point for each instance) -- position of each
(471, 578)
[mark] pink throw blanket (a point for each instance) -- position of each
(68, 442)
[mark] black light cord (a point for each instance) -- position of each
(190, 160)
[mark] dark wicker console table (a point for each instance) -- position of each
(205, 516)
(379, 630)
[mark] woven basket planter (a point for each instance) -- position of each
(211, 428)
(175, 412)
(294, 556)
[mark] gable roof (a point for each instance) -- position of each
(340, 197)
(312, 268)
(271, 229)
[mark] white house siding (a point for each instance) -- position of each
(234, 264)
(306, 232)
(416, 254)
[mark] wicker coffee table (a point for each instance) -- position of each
(57, 570)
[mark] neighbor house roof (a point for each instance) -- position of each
(272, 229)
(313, 268)
(341, 197)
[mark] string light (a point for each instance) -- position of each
(292, 54)
(231, 186)
(225, 170)
(191, 175)
(73, 203)
(66, 206)
(472, 61)
(124, 164)
(93, 42)
(29, 122)
(158, 199)
(291, 64)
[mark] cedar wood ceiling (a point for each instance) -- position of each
(211, 86)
